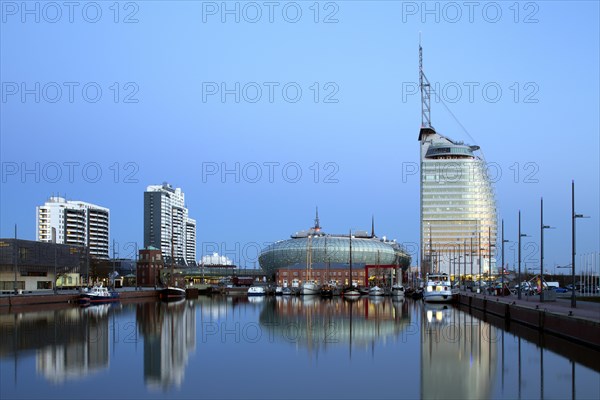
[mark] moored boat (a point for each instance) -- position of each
(398, 290)
(351, 292)
(310, 288)
(376, 291)
(256, 290)
(439, 289)
(98, 294)
(330, 289)
(172, 293)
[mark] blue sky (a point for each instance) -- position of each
(533, 69)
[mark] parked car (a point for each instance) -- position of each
(559, 289)
(584, 289)
(589, 289)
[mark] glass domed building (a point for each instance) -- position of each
(322, 250)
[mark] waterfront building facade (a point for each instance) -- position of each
(167, 225)
(315, 249)
(29, 265)
(287, 277)
(150, 262)
(74, 223)
(457, 201)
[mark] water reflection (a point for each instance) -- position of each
(75, 359)
(169, 333)
(150, 347)
(458, 360)
(312, 322)
(68, 344)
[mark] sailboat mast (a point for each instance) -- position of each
(351, 258)
(328, 263)
(172, 249)
(308, 258)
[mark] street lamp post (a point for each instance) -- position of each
(55, 262)
(471, 258)
(519, 273)
(451, 264)
(465, 262)
(502, 268)
(479, 255)
(542, 227)
(490, 245)
(454, 263)
(16, 260)
(574, 217)
(458, 258)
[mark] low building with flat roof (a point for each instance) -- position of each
(37, 264)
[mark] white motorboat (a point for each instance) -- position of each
(376, 291)
(257, 291)
(439, 289)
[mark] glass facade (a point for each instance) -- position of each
(458, 208)
(324, 249)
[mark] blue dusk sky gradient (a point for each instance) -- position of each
(160, 116)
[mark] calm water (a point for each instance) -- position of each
(299, 348)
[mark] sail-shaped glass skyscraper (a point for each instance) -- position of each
(458, 207)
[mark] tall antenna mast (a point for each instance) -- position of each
(425, 92)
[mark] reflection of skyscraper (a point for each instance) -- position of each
(169, 331)
(457, 198)
(75, 359)
(458, 354)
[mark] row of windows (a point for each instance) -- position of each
(456, 196)
(318, 273)
(478, 193)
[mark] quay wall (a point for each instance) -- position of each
(582, 330)
(36, 299)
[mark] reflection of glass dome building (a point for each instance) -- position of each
(308, 322)
(321, 250)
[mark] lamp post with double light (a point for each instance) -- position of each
(574, 218)
(519, 272)
(542, 227)
(502, 267)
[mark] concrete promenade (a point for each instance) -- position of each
(562, 306)
(581, 324)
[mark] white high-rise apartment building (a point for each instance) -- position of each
(75, 223)
(167, 225)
